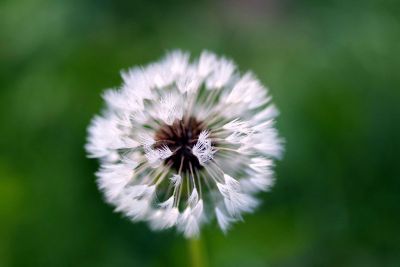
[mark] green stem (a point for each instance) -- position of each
(197, 253)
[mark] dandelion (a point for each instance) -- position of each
(181, 143)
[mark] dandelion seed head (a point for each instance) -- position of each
(182, 138)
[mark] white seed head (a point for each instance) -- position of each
(170, 138)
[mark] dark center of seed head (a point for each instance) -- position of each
(180, 137)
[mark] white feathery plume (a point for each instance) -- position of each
(176, 180)
(235, 200)
(203, 149)
(257, 183)
(145, 139)
(170, 109)
(261, 165)
(122, 101)
(135, 202)
(131, 160)
(112, 179)
(155, 156)
(190, 220)
(105, 136)
(166, 216)
(224, 220)
(221, 74)
(189, 82)
(207, 63)
(136, 85)
(176, 62)
(158, 75)
(244, 91)
(163, 219)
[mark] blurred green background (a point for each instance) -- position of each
(333, 70)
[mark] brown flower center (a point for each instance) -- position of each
(180, 137)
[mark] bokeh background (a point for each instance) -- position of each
(332, 67)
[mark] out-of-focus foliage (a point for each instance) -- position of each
(332, 67)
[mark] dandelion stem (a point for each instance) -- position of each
(197, 253)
